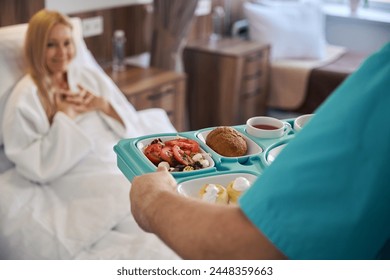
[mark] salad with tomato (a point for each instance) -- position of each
(179, 154)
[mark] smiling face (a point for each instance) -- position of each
(60, 49)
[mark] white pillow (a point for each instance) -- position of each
(12, 64)
(293, 29)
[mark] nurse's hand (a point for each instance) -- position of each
(146, 195)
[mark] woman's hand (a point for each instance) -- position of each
(74, 104)
(145, 195)
(86, 101)
(71, 109)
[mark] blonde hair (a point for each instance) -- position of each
(39, 28)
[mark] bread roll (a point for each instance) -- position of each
(227, 141)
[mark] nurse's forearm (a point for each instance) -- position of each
(198, 230)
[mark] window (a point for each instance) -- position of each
(383, 5)
(379, 4)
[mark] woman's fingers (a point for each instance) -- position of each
(83, 100)
(83, 92)
(88, 98)
(75, 99)
(78, 98)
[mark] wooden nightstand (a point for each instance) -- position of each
(227, 81)
(154, 88)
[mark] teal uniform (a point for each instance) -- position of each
(327, 195)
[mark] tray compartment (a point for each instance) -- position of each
(190, 187)
(254, 149)
(142, 144)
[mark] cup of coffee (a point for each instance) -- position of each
(267, 127)
(300, 121)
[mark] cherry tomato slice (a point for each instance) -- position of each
(181, 156)
(166, 154)
(185, 144)
(153, 151)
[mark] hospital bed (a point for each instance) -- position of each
(87, 220)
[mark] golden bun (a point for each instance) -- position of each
(227, 141)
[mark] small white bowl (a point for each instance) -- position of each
(300, 121)
(267, 127)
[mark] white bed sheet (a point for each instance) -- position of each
(83, 215)
(37, 224)
(127, 241)
(5, 163)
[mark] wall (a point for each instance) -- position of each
(135, 20)
(77, 6)
(364, 32)
(131, 16)
(135, 17)
(18, 11)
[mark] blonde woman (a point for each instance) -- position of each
(49, 49)
(58, 114)
(60, 125)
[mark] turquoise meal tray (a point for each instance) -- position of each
(132, 162)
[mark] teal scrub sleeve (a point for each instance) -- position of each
(327, 195)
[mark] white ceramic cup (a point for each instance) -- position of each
(300, 121)
(267, 127)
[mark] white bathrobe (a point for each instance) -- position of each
(66, 192)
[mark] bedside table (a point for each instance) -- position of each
(154, 88)
(227, 81)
